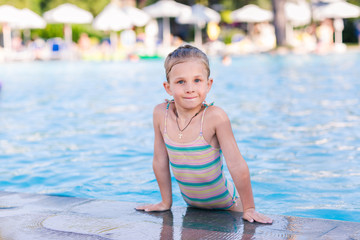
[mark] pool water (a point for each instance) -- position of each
(84, 129)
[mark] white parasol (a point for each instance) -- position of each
(28, 20)
(298, 14)
(68, 14)
(166, 9)
(199, 16)
(251, 14)
(111, 18)
(137, 16)
(8, 15)
(338, 9)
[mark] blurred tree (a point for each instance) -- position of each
(94, 6)
(33, 5)
(40, 6)
(233, 5)
(349, 33)
(226, 4)
(279, 21)
(356, 2)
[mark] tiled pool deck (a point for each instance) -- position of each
(31, 216)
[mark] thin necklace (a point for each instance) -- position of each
(177, 122)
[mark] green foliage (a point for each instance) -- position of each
(232, 5)
(51, 31)
(227, 34)
(81, 28)
(94, 6)
(225, 16)
(57, 30)
(349, 33)
(356, 2)
(33, 5)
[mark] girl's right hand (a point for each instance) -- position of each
(158, 207)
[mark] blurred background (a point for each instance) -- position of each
(133, 29)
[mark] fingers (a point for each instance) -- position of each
(142, 208)
(257, 217)
(262, 218)
(249, 219)
(147, 208)
(152, 208)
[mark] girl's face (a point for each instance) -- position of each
(188, 83)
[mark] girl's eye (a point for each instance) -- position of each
(180, 82)
(197, 80)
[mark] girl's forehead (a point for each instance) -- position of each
(186, 70)
(188, 63)
(185, 66)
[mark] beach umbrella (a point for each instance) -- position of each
(28, 20)
(298, 14)
(137, 16)
(111, 18)
(336, 9)
(68, 14)
(165, 9)
(199, 16)
(114, 18)
(8, 15)
(251, 14)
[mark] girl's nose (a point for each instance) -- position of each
(189, 87)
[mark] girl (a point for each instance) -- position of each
(192, 135)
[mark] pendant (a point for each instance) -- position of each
(180, 135)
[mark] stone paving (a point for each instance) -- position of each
(32, 216)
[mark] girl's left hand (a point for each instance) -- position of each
(158, 207)
(251, 215)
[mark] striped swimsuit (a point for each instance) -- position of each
(198, 169)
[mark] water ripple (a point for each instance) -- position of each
(85, 129)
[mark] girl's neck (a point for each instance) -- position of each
(186, 114)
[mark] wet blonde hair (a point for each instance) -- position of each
(183, 53)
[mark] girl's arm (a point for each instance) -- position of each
(160, 166)
(237, 166)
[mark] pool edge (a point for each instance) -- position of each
(37, 216)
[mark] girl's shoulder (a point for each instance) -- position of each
(215, 116)
(160, 111)
(213, 111)
(160, 106)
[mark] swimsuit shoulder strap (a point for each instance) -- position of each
(202, 118)
(166, 113)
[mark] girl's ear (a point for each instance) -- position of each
(209, 83)
(167, 88)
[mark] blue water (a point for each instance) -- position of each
(84, 129)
